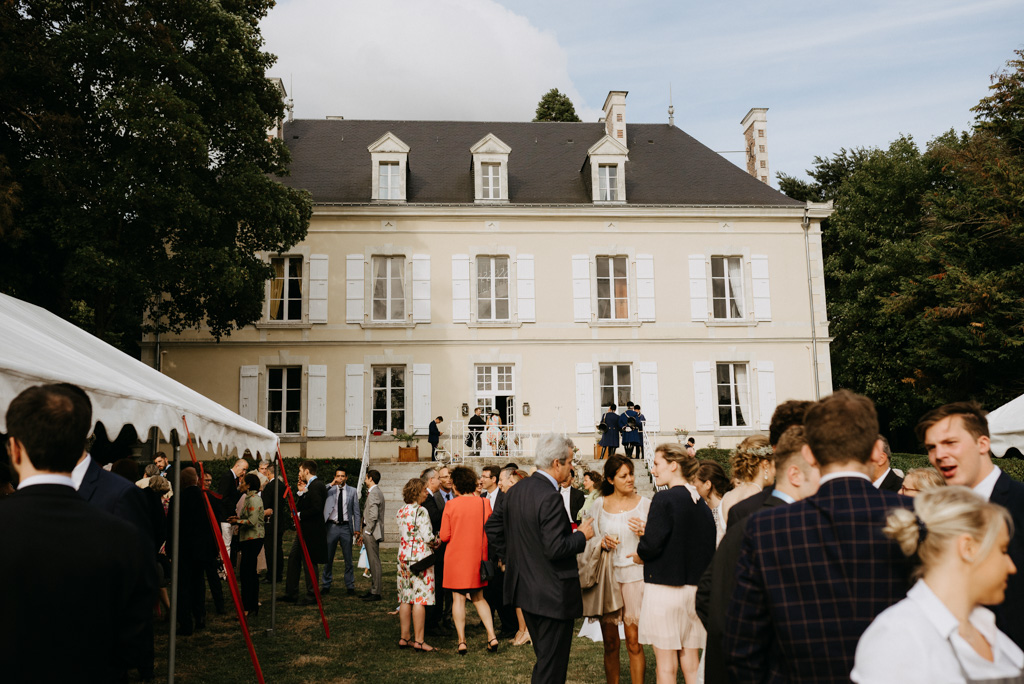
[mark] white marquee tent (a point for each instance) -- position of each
(1006, 426)
(37, 347)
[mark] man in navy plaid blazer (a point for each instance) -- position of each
(813, 575)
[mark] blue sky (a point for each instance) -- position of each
(833, 75)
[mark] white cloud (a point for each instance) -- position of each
(406, 59)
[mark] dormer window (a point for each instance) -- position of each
(389, 157)
(490, 170)
(607, 161)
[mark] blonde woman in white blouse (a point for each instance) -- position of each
(619, 515)
(942, 633)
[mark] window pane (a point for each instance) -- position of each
(606, 395)
(380, 399)
(621, 309)
(607, 375)
(397, 309)
(501, 267)
(604, 308)
(274, 422)
(483, 267)
(295, 310)
(380, 420)
(722, 370)
(501, 309)
(624, 378)
(292, 402)
(380, 376)
(398, 376)
(719, 308)
(501, 287)
(620, 266)
(483, 287)
(717, 267)
(398, 419)
(274, 376)
(380, 310)
(484, 309)
(604, 288)
(718, 288)
(602, 267)
(274, 400)
(292, 423)
(724, 416)
(397, 398)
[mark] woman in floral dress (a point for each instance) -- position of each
(416, 542)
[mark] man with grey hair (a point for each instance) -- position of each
(229, 496)
(434, 505)
(883, 476)
(531, 535)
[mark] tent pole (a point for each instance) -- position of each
(175, 555)
(275, 552)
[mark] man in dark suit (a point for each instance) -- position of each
(77, 586)
(957, 439)
(343, 520)
(275, 505)
(812, 576)
(229, 496)
(786, 415)
(796, 478)
(310, 506)
(476, 429)
(434, 436)
(489, 475)
(196, 545)
(434, 504)
(531, 531)
(884, 477)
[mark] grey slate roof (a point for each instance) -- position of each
(666, 166)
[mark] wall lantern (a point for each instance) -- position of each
(526, 408)
(465, 410)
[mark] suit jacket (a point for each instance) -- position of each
(433, 433)
(53, 542)
(373, 514)
(1009, 493)
(752, 504)
(352, 504)
(715, 589)
(679, 538)
(810, 579)
(434, 504)
(228, 490)
(311, 516)
(196, 540)
(274, 499)
(116, 495)
(532, 533)
(892, 482)
(576, 500)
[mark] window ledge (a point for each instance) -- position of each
(494, 324)
(730, 323)
(388, 201)
(610, 202)
(387, 324)
(290, 438)
(298, 325)
(480, 200)
(602, 323)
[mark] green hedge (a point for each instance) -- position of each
(324, 468)
(1013, 467)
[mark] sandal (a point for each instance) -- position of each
(462, 648)
(404, 643)
(422, 647)
(492, 645)
(523, 638)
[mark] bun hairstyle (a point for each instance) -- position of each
(611, 469)
(746, 459)
(711, 471)
(939, 517)
(677, 453)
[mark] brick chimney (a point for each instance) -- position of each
(615, 115)
(755, 138)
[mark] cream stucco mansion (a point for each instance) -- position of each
(539, 269)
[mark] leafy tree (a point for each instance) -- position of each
(136, 177)
(555, 106)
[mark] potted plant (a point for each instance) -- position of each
(409, 452)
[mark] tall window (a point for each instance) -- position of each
(612, 288)
(389, 186)
(284, 399)
(727, 287)
(286, 289)
(606, 175)
(389, 288)
(733, 395)
(491, 180)
(492, 288)
(388, 398)
(616, 384)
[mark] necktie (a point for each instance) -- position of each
(344, 508)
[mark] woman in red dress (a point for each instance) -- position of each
(462, 528)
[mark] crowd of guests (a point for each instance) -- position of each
(811, 560)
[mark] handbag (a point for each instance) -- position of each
(424, 563)
(487, 569)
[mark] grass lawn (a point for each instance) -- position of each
(362, 647)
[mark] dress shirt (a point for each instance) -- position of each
(782, 495)
(843, 473)
(47, 478)
(341, 501)
(447, 496)
(492, 496)
(564, 491)
(550, 479)
(78, 472)
(917, 640)
(878, 483)
(985, 487)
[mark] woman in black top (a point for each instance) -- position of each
(676, 546)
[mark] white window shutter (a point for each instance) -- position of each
(353, 399)
(649, 404)
(421, 397)
(762, 293)
(316, 401)
(703, 395)
(355, 296)
(581, 289)
(248, 390)
(585, 417)
(645, 288)
(460, 288)
(766, 400)
(698, 288)
(525, 292)
(421, 288)
(318, 288)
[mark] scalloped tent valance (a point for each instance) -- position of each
(37, 347)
